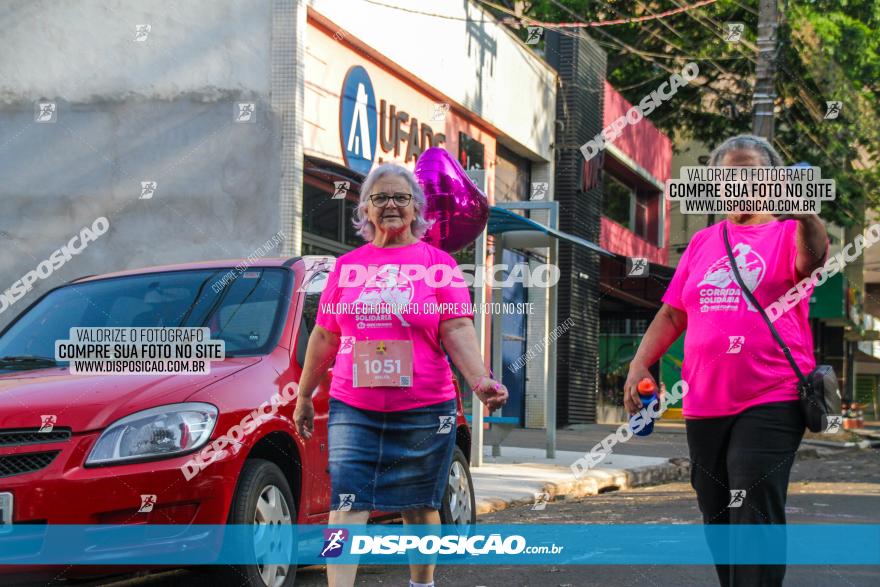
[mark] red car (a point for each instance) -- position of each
(108, 449)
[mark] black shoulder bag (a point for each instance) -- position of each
(818, 391)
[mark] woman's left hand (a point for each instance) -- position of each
(492, 393)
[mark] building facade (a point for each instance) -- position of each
(614, 199)
(371, 97)
(581, 64)
(635, 226)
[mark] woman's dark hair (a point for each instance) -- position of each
(759, 145)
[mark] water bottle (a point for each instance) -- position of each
(648, 393)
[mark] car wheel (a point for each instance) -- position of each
(459, 500)
(262, 498)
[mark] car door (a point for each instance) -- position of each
(315, 499)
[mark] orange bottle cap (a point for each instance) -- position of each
(646, 387)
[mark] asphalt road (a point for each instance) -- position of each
(841, 489)
(667, 441)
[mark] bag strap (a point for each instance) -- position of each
(748, 293)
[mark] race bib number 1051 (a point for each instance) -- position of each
(382, 363)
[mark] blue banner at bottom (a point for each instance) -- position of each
(524, 544)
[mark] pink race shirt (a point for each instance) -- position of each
(731, 360)
(383, 297)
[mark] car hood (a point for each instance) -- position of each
(91, 402)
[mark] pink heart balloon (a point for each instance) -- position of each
(458, 207)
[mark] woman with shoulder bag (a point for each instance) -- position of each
(743, 416)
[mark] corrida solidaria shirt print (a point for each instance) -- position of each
(368, 297)
(731, 360)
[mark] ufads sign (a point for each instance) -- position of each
(366, 127)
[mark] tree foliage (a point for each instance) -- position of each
(828, 50)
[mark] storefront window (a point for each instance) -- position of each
(327, 220)
(351, 236)
(320, 212)
(631, 201)
(470, 152)
(310, 248)
(645, 220)
(619, 338)
(617, 200)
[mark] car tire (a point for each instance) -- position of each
(260, 484)
(459, 499)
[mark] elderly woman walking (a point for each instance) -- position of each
(742, 415)
(392, 385)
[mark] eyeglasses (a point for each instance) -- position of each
(381, 199)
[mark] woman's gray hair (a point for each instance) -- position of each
(361, 221)
(760, 145)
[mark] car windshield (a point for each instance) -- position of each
(245, 309)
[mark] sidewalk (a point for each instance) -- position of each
(523, 470)
(867, 437)
(515, 477)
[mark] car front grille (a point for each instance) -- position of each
(25, 463)
(33, 436)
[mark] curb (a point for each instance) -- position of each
(597, 481)
(831, 444)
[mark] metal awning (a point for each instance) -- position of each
(503, 220)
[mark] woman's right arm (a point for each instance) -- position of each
(320, 352)
(666, 327)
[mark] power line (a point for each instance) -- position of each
(638, 52)
(803, 95)
(433, 14)
(639, 84)
(792, 117)
(715, 27)
(620, 44)
(625, 19)
(575, 35)
(716, 30)
(599, 23)
(680, 36)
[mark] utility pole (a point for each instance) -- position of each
(765, 72)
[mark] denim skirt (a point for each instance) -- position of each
(389, 461)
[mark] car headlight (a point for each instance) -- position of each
(165, 431)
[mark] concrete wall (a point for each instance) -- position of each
(162, 109)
